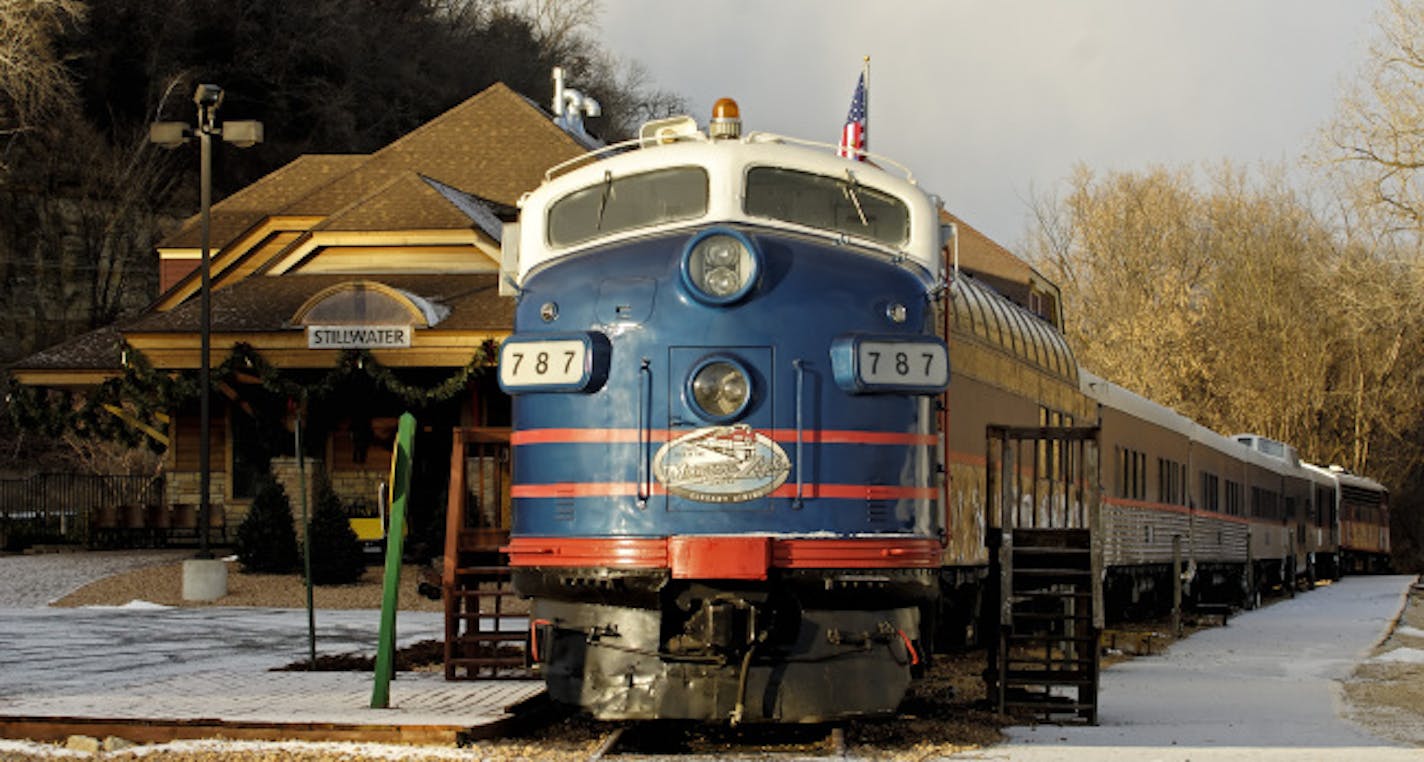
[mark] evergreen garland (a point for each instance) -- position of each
(145, 391)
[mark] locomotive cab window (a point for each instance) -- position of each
(626, 203)
(838, 204)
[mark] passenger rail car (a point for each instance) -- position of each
(1244, 513)
(1362, 506)
(724, 370)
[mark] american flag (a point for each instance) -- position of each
(854, 138)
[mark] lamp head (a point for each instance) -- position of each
(208, 96)
(167, 134)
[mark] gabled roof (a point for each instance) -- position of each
(406, 202)
(241, 210)
(496, 145)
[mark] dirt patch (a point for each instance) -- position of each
(1386, 692)
(164, 585)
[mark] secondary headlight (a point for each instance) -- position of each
(720, 389)
(719, 266)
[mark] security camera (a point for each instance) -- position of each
(208, 96)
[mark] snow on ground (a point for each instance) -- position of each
(1405, 655)
(1263, 687)
(53, 651)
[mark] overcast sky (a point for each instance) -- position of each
(990, 102)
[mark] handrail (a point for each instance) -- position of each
(768, 137)
(645, 467)
(800, 367)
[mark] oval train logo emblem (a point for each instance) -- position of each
(721, 464)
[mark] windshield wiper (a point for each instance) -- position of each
(603, 199)
(852, 193)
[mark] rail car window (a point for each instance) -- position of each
(1324, 506)
(1233, 498)
(840, 204)
(1210, 492)
(1265, 503)
(625, 203)
(1131, 474)
(1019, 330)
(998, 325)
(1041, 339)
(1171, 482)
(975, 311)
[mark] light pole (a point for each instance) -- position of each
(171, 135)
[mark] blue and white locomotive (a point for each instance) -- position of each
(724, 370)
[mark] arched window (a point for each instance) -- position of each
(368, 303)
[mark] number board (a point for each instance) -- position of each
(890, 364)
(552, 363)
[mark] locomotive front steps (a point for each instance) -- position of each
(485, 635)
(483, 638)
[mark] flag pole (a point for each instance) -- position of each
(865, 74)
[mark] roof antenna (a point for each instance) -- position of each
(570, 106)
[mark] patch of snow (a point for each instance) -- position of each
(134, 605)
(10, 747)
(1413, 632)
(1402, 655)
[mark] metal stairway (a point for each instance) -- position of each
(1048, 658)
(1045, 573)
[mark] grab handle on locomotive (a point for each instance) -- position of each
(645, 469)
(800, 367)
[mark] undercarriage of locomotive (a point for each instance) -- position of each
(805, 646)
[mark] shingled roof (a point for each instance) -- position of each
(495, 145)
(284, 186)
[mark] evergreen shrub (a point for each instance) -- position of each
(267, 537)
(336, 554)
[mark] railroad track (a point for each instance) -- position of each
(539, 717)
(664, 739)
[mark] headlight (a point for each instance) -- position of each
(720, 389)
(719, 266)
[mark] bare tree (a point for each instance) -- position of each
(566, 31)
(1205, 295)
(1126, 249)
(1377, 136)
(33, 78)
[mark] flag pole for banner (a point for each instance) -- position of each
(865, 73)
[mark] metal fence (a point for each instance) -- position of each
(62, 507)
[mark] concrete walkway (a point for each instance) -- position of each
(1263, 688)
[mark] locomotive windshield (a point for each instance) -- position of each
(624, 203)
(839, 204)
